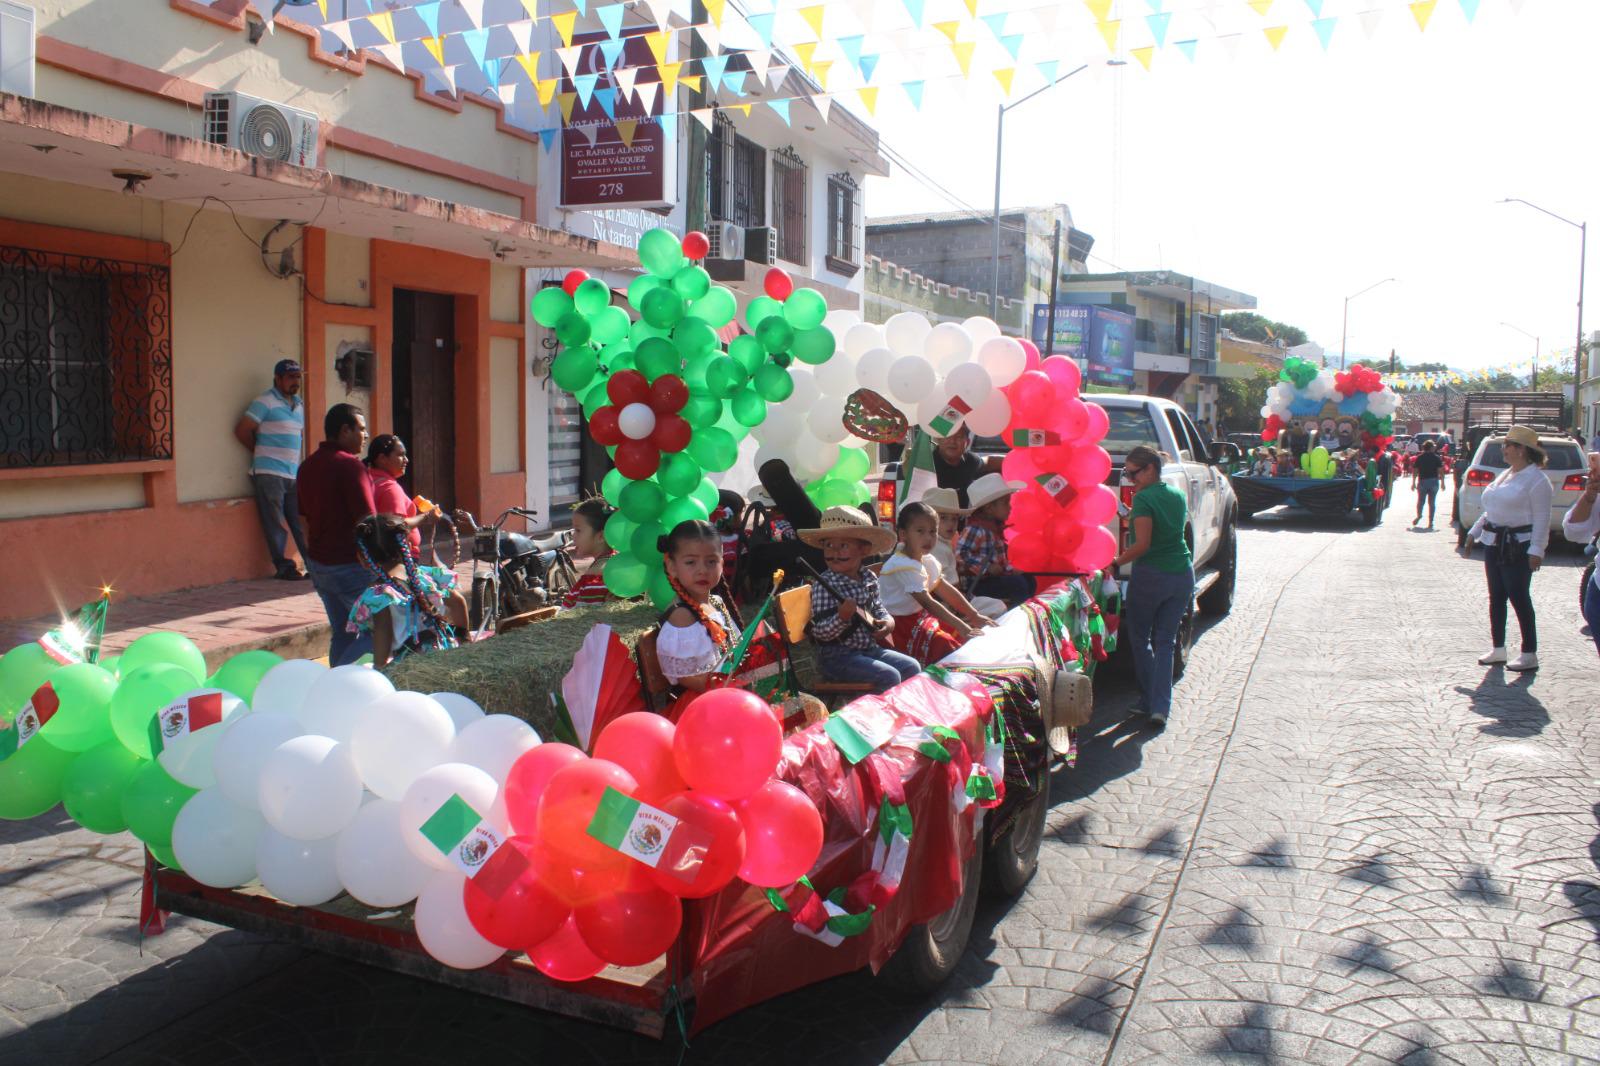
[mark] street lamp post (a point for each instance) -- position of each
(1583, 255)
(1344, 330)
(1533, 379)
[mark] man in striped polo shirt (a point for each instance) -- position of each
(273, 428)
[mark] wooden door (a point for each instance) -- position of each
(424, 391)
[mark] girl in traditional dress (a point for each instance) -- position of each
(589, 538)
(931, 617)
(408, 608)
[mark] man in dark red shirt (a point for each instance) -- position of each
(335, 493)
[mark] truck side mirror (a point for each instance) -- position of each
(1223, 451)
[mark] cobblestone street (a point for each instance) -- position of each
(1351, 845)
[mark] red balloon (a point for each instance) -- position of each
(668, 394)
(671, 433)
(1064, 372)
(1099, 424)
(1019, 464)
(1071, 420)
(641, 743)
(576, 886)
(604, 428)
(1033, 396)
(1088, 465)
(527, 778)
(696, 245)
(719, 859)
(574, 278)
(637, 459)
(628, 386)
(778, 284)
(1096, 550)
(1093, 506)
(519, 912)
(631, 927)
(565, 957)
(728, 743)
(1031, 352)
(568, 805)
(782, 833)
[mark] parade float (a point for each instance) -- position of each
(510, 817)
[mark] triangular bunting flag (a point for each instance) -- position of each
(429, 14)
(669, 124)
(1261, 6)
(1004, 76)
(823, 103)
(813, 16)
(531, 7)
(567, 100)
(1012, 43)
(972, 8)
(1230, 44)
(1275, 35)
(547, 139)
(1422, 11)
(1110, 31)
(949, 29)
(449, 76)
(660, 11)
(474, 10)
(1158, 24)
(743, 109)
(563, 24)
(530, 67)
(611, 18)
(625, 128)
(819, 71)
(1100, 9)
(507, 94)
(711, 35)
(706, 116)
(1047, 70)
(869, 98)
(590, 131)
(851, 47)
(781, 108)
(585, 84)
(1143, 55)
(713, 66)
(762, 24)
(1324, 28)
(657, 40)
(914, 93)
(733, 82)
(1370, 20)
(341, 30)
(803, 50)
(1187, 48)
(1045, 19)
(393, 53)
(547, 90)
(962, 50)
(522, 35)
(383, 22)
(669, 77)
(477, 42)
(569, 58)
(1316, 8)
(914, 7)
(491, 71)
(1469, 8)
(714, 10)
(625, 79)
(758, 60)
(610, 52)
(776, 73)
(867, 66)
(647, 92)
(996, 24)
(692, 82)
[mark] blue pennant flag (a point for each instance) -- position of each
(1187, 48)
(1158, 26)
(669, 124)
(915, 8)
(491, 71)
(429, 14)
(477, 42)
(782, 108)
(1012, 42)
(914, 91)
(608, 101)
(1324, 28)
(996, 23)
(1316, 8)
(1155, 5)
(762, 24)
(547, 138)
(851, 47)
(611, 19)
(733, 81)
(867, 65)
(1048, 69)
(582, 5)
(611, 51)
(585, 84)
(1469, 8)
(713, 68)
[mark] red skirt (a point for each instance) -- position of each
(922, 637)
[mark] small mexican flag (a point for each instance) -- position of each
(183, 716)
(462, 835)
(858, 731)
(649, 835)
(945, 422)
(1054, 484)
(39, 709)
(77, 639)
(1033, 438)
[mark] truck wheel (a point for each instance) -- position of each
(1014, 855)
(930, 953)
(1369, 514)
(1218, 599)
(1184, 645)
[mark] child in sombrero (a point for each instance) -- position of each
(848, 621)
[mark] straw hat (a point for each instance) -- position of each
(989, 488)
(1066, 702)
(945, 501)
(849, 522)
(1524, 436)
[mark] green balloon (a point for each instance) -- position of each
(663, 308)
(804, 309)
(731, 425)
(662, 594)
(139, 695)
(642, 501)
(761, 308)
(592, 297)
(747, 352)
(644, 545)
(706, 493)
(624, 575)
(82, 719)
(241, 674)
(642, 331)
(661, 253)
(692, 282)
(93, 786)
(725, 377)
(611, 487)
(655, 357)
(550, 305)
(594, 398)
(749, 408)
(773, 383)
(694, 336)
(684, 509)
(111, 664)
(609, 324)
(151, 801)
(573, 330)
(717, 306)
(775, 334)
(814, 346)
(623, 345)
(30, 779)
(624, 361)
(860, 493)
(679, 474)
(641, 285)
(702, 410)
(619, 529)
(174, 648)
(713, 448)
(22, 670)
(853, 465)
(164, 855)
(574, 369)
(832, 492)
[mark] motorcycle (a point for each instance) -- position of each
(513, 573)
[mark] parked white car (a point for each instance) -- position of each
(1567, 468)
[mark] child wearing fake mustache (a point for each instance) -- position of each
(848, 621)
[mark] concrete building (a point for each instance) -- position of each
(891, 289)
(1429, 412)
(1589, 390)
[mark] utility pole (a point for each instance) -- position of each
(1055, 287)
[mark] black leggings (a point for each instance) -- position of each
(1510, 580)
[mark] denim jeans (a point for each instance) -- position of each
(1591, 607)
(882, 668)
(1427, 492)
(278, 505)
(1157, 602)
(1510, 580)
(340, 586)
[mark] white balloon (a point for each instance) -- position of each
(301, 872)
(839, 321)
(872, 370)
(443, 927)
(244, 747)
(947, 346)
(1266, 410)
(283, 688)
(837, 377)
(186, 752)
(214, 839)
(970, 382)
(860, 339)
(911, 379)
(372, 860)
(906, 332)
(990, 417)
(928, 410)
(334, 704)
(1004, 359)
(310, 787)
(493, 744)
(433, 790)
(767, 453)
(463, 711)
(980, 328)
(814, 457)
(806, 390)
(636, 421)
(826, 420)
(398, 737)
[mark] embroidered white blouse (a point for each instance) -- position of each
(685, 651)
(1517, 499)
(902, 576)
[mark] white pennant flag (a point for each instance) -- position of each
(508, 93)
(1230, 44)
(1369, 22)
(711, 35)
(824, 104)
(449, 75)
(775, 75)
(474, 10)
(341, 30)
(393, 53)
(758, 60)
(660, 11)
(522, 33)
(569, 58)
(866, 13)
(647, 95)
(625, 77)
(589, 130)
(706, 116)
(1045, 19)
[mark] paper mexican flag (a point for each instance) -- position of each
(29, 720)
(183, 716)
(1054, 484)
(858, 731)
(77, 639)
(649, 835)
(945, 422)
(1033, 438)
(462, 835)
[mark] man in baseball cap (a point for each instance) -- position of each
(273, 428)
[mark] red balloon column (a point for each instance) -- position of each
(642, 421)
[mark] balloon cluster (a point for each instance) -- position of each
(1304, 389)
(1057, 521)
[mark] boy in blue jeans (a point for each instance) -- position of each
(848, 619)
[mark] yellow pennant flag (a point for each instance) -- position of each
(567, 100)
(962, 50)
(532, 8)
(972, 8)
(322, 6)
(813, 17)
(745, 108)
(714, 9)
(1111, 31)
(1261, 7)
(669, 76)
(530, 65)
(805, 50)
(692, 82)
(1143, 55)
(547, 90)
(563, 24)
(383, 22)
(949, 29)
(869, 98)
(1100, 9)
(625, 128)
(1275, 35)
(819, 71)
(657, 40)
(1004, 75)
(435, 47)
(1422, 11)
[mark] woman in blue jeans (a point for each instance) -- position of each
(1582, 524)
(1161, 586)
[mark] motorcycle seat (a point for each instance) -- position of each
(554, 540)
(516, 545)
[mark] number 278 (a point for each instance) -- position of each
(611, 188)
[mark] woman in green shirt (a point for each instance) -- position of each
(1161, 586)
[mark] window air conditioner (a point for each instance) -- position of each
(259, 127)
(761, 245)
(727, 240)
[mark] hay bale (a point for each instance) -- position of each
(514, 673)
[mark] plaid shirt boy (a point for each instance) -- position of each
(826, 625)
(980, 545)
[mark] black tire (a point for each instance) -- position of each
(1183, 645)
(1218, 599)
(1013, 856)
(481, 600)
(930, 953)
(1369, 514)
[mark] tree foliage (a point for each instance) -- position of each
(1254, 327)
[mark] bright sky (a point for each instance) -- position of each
(1302, 177)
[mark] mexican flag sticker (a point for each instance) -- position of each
(183, 716)
(1033, 438)
(1054, 484)
(649, 835)
(945, 422)
(461, 835)
(858, 731)
(29, 720)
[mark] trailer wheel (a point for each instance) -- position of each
(1369, 514)
(930, 953)
(1014, 855)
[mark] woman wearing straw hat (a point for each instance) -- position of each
(1514, 530)
(848, 621)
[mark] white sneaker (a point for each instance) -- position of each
(1492, 657)
(1526, 661)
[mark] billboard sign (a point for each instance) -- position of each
(638, 170)
(1099, 338)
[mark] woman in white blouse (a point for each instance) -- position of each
(1514, 530)
(1582, 523)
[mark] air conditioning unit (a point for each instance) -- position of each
(727, 240)
(263, 128)
(16, 48)
(761, 245)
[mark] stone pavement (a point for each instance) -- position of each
(1351, 845)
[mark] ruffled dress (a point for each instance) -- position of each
(415, 629)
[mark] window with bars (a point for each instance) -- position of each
(789, 204)
(736, 177)
(843, 255)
